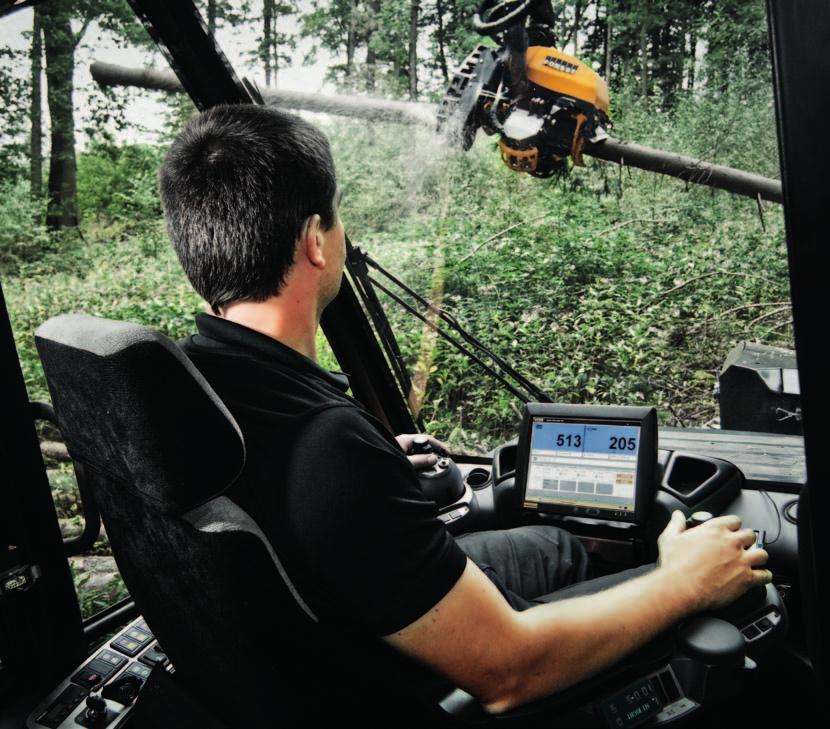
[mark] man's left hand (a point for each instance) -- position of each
(421, 461)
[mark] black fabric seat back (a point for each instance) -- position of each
(160, 448)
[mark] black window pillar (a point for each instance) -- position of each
(800, 35)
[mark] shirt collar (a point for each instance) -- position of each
(228, 332)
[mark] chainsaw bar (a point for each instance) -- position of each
(460, 110)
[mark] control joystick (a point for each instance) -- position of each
(755, 597)
(124, 690)
(96, 707)
(698, 518)
(443, 483)
(701, 517)
(421, 445)
(96, 714)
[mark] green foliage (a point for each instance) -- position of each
(119, 182)
(223, 13)
(119, 272)
(95, 576)
(735, 126)
(275, 46)
(14, 97)
(22, 238)
(112, 16)
(605, 285)
(178, 109)
(460, 36)
(738, 42)
(371, 38)
(613, 286)
(94, 599)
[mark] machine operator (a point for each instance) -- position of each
(251, 204)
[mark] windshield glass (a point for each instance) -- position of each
(604, 283)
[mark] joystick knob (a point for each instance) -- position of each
(421, 444)
(698, 518)
(96, 709)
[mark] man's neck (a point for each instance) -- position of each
(279, 318)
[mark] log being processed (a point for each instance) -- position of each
(361, 107)
(612, 150)
(686, 168)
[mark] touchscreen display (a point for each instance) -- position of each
(589, 464)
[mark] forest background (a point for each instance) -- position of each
(604, 285)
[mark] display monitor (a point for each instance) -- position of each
(588, 460)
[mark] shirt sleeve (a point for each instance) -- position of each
(362, 527)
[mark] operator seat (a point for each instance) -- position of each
(160, 449)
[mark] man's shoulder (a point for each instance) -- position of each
(255, 387)
(344, 426)
(341, 413)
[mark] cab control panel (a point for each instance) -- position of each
(100, 693)
(656, 698)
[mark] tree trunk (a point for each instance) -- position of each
(351, 39)
(414, 9)
(689, 169)
(211, 16)
(657, 77)
(59, 44)
(608, 41)
(35, 112)
(692, 59)
(643, 62)
(574, 34)
(441, 37)
(267, 19)
(371, 55)
(275, 47)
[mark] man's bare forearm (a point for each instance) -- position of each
(565, 642)
(506, 658)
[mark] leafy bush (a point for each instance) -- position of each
(22, 238)
(132, 276)
(93, 599)
(14, 97)
(119, 182)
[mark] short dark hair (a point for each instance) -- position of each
(236, 187)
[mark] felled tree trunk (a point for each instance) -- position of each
(403, 112)
(687, 168)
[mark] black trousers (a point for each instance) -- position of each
(537, 564)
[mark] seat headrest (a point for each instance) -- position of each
(131, 404)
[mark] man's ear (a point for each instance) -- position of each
(311, 241)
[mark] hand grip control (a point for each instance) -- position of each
(698, 518)
(421, 444)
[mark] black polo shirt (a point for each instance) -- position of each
(327, 484)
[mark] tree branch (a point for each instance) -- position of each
(769, 314)
(498, 235)
(742, 307)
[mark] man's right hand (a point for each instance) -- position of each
(714, 563)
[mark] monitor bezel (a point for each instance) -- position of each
(645, 483)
